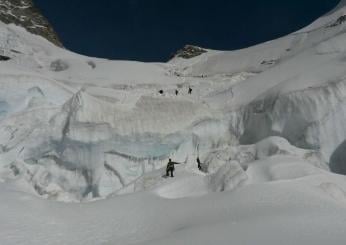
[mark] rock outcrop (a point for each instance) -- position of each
(189, 51)
(24, 13)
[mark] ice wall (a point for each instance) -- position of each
(312, 118)
(82, 150)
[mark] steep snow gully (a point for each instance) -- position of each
(76, 128)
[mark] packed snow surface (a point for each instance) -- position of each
(84, 143)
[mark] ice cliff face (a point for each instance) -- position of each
(75, 127)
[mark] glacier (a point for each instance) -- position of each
(84, 143)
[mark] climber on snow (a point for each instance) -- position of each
(170, 168)
(199, 164)
(190, 90)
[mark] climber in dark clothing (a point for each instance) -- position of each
(199, 164)
(170, 168)
(176, 92)
(190, 90)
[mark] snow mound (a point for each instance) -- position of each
(279, 168)
(279, 146)
(183, 186)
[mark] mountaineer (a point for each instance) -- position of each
(170, 168)
(199, 164)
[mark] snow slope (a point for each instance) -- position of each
(308, 210)
(267, 123)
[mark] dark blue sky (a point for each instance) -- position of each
(151, 30)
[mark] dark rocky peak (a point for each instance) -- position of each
(189, 51)
(24, 13)
(339, 21)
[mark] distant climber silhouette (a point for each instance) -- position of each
(170, 168)
(176, 92)
(190, 90)
(199, 164)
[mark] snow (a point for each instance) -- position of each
(84, 143)
(305, 211)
